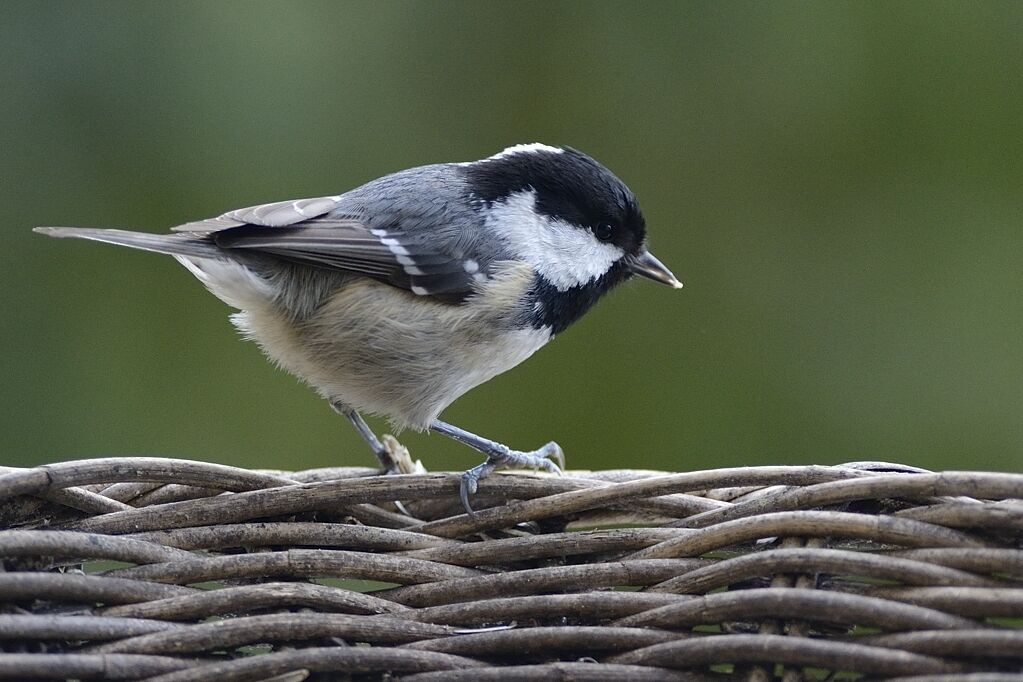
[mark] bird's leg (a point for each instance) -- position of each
(382, 453)
(388, 460)
(498, 457)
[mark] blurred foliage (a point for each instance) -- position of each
(838, 185)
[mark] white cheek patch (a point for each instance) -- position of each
(565, 255)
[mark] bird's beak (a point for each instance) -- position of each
(646, 265)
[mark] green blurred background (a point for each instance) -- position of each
(839, 185)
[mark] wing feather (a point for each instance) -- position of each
(348, 245)
(306, 231)
(274, 214)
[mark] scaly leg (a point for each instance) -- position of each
(382, 453)
(499, 456)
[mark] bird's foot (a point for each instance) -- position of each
(549, 458)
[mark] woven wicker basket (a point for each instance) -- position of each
(174, 570)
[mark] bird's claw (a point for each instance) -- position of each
(549, 458)
(554, 452)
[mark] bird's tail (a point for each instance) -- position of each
(183, 244)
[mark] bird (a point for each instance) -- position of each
(397, 297)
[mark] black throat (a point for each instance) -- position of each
(555, 309)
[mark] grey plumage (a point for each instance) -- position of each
(322, 288)
(399, 296)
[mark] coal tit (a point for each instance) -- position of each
(397, 297)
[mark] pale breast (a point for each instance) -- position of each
(384, 351)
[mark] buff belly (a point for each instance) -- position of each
(373, 349)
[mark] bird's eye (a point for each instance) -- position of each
(604, 232)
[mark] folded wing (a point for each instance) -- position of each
(305, 231)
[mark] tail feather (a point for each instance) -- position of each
(182, 244)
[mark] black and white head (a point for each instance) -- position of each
(571, 218)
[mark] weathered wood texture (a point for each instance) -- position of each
(173, 570)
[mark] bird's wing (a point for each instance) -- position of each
(275, 214)
(304, 231)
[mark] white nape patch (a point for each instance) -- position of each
(565, 255)
(471, 266)
(531, 148)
